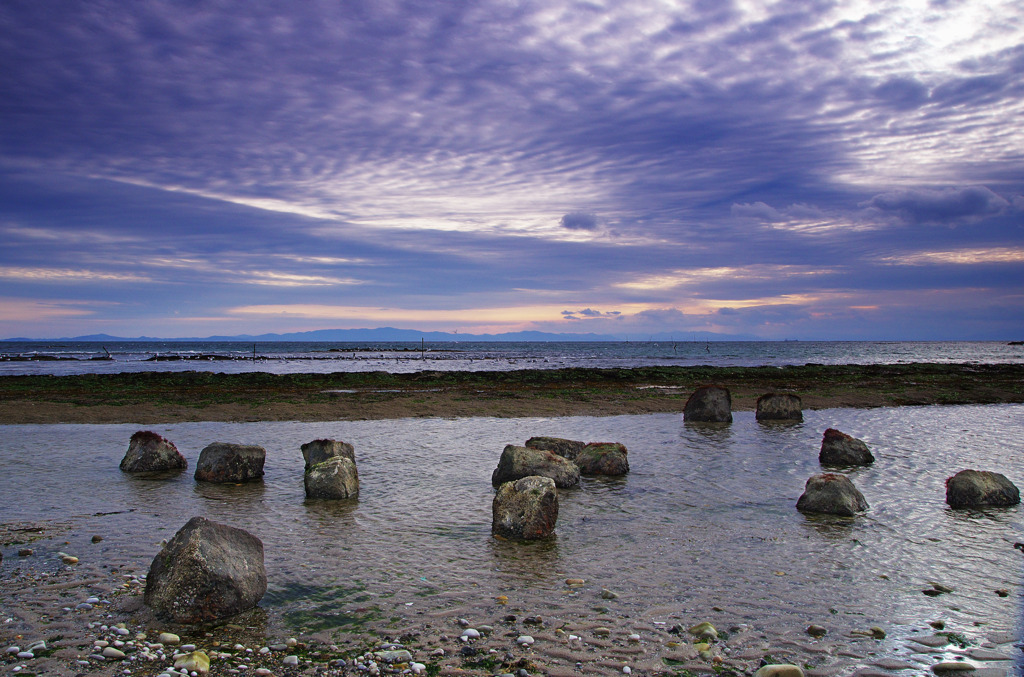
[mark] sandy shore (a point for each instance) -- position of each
(171, 397)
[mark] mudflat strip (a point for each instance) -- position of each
(170, 397)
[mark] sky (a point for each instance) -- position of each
(802, 169)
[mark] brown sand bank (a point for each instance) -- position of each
(169, 397)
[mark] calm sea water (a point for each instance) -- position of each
(703, 528)
(283, 358)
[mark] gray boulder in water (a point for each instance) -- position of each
(832, 494)
(335, 478)
(206, 572)
(569, 449)
(838, 448)
(779, 407)
(980, 489)
(519, 462)
(230, 463)
(603, 458)
(526, 509)
(149, 452)
(319, 451)
(709, 404)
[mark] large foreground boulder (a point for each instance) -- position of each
(206, 572)
(519, 462)
(319, 451)
(603, 458)
(526, 509)
(831, 494)
(569, 449)
(709, 404)
(838, 448)
(334, 478)
(230, 463)
(779, 407)
(149, 452)
(980, 489)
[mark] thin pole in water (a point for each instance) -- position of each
(423, 349)
(254, 352)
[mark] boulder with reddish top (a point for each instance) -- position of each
(832, 494)
(526, 509)
(230, 463)
(779, 407)
(319, 451)
(518, 462)
(708, 404)
(603, 458)
(206, 572)
(981, 489)
(838, 448)
(149, 452)
(569, 449)
(335, 478)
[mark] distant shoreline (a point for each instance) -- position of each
(148, 398)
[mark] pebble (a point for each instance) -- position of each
(602, 632)
(634, 638)
(69, 559)
(169, 638)
(292, 642)
(97, 538)
(952, 666)
(933, 641)
(574, 581)
(263, 672)
(417, 668)
(816, 631)
(781, 670)
(111, 652)
(608, 594)
(525, 640)
(24, 552)
(626, 670)
(291, 660)
(26, 654)
(470, 633)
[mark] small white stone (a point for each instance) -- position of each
(263, 671)
(626, 670)
(26, 654)
(13, 649)
(265, 650)
(168, 638)
(417, 668)
(93, 600)
(292, 642)
(525, 640)
(470, 633)
(634, 638)
(291, 660)
(111, 652)
(122, 631)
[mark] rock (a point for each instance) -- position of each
(149, 452)
(526, 509)
(24, 552)
(816, 631)
(97, 538)
(318, 451)
(291, 660)
(519, 462)
(168, 638)
(524, 640)
(603, 458)
(206, 572)
(608, 594)
(111, 652)
(980, 489)
(396, 656)
(709, 404)
(781, 670)
(335, 478)
(705, 630)
(952, 666)
(197, 661)
(838, 448)
(229, 463)
(779, 407)
(569, 449)
(832, 494)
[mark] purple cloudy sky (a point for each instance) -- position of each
(794, 169)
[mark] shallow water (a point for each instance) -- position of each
(703, 528)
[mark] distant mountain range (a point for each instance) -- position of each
(393, 334)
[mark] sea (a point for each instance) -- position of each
(703, 528)
(75, 357)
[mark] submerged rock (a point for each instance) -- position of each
(149, 452)
(223, 462)
(569, 449)
(980, 489)
(519, 462)
(334, 478)
(838, 448)
(780, 670)
(207, 571)
(779, 407)
(319, 451)
(526, 509)
(831, 494)
(603, 458)
(709, 404)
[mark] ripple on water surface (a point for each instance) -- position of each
(703, 528)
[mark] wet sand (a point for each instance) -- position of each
(171, 397)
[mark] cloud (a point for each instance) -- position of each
(946, 205)
(579, 221)
(589, 314)
(901, 93)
